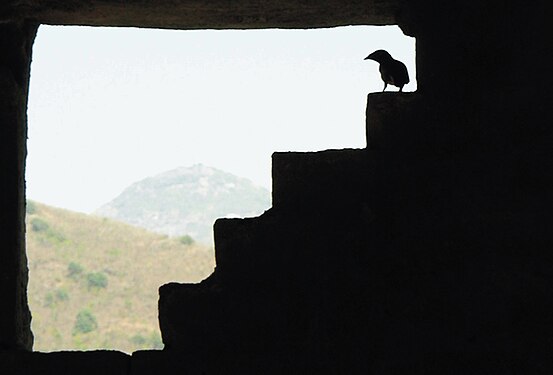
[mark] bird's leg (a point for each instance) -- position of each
(385, 85)
(400, 88)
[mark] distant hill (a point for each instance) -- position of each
(187, 201)
(93, 282)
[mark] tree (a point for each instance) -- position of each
(186, 240)
(85, 322)
(74, 270)
(97, 280)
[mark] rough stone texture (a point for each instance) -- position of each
(403, 125)
(299, 183)
(445, 271)
(64, 363)
(258, 310)
(193, 14)
(15, 43)
(428, 253)
(185, 362)
(389, 116)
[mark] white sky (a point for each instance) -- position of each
(109, 107)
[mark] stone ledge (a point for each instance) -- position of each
(411, 125)
(188, 315)
(390, 118)
(310, 180)
(98, 362)
(186, 14)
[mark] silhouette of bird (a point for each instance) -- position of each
(392, 71)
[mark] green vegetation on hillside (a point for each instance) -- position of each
(93, 282)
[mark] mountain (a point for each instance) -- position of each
(187, 201)
(93, 282)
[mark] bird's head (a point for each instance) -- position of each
(379, 56)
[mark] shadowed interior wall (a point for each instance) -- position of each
(427, 253)
(15, 43)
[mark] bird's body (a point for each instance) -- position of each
(392, 71)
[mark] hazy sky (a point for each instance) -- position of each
(109, 107)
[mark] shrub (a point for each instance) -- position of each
(138, 340)
(97, 280)
(85, 322)
(74, 270)
(55, 296)
(152, 341)
(39, 225)
(61, 294)
(47, 234)
(49, 299)
(55, 237)
(30, 208)
(155, 340)
(186, 240)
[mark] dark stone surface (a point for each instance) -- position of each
(64, 363)
(186, 362)
(428, 253)
(190, 14)
(15, 57)
(446, 271)
(340, 178)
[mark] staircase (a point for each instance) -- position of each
(291, 290)
(395, 259)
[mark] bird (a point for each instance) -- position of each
(392, 71)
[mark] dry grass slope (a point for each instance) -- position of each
(94, 281)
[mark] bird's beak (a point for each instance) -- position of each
(368, 57)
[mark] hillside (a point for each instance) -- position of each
(187, 201)
(94, 281)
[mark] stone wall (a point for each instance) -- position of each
(15, 43)
(430, 252)
(193, 14)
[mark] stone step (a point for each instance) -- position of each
(105, 362)
(267, 268)
(310, 180)
(390, 117)
(401, 125)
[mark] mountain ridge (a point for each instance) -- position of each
(186, 201)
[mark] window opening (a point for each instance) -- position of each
(110, 107)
